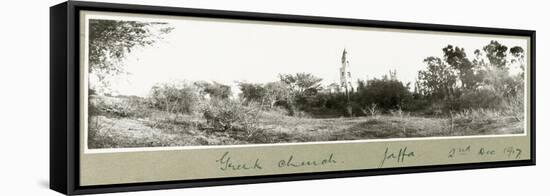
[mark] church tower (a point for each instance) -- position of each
(345, 73)
(346, 80)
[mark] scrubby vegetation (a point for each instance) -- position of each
(454, 95)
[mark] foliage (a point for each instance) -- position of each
(438, 81)
(231, 115)
(302, 90)
(371, 110)
(213, 89)
(514, 106)
(178, 98)
(302, 84)
(384, 93)
(465, 70)
(111, 40)
(96, 138)
(484, 81)
(482, 98)
(118, 107)
(251, 92)
(496, 53)
(270, 94)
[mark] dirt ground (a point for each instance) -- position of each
(154, 131)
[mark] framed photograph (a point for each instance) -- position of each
(146, 97)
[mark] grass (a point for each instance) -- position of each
(160, 128)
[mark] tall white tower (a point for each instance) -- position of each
(345, 73)
(345, 80)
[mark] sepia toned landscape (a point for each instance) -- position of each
(453, 90)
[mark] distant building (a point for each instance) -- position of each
(333, 88)
(393, 75)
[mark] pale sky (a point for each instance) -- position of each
(229, 50)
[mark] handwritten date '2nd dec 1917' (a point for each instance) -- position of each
(509, 152)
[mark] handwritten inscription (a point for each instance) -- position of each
(291, 162)
(512, 152)
(461, 151)
(227, 163)
(486, 152)
(397, 155)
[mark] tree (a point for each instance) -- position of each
(214, 89)
(457, 60)
(251, 92)
(496, 53)
(496, 73)
(276, 92)
(270, 93)
(175, 97)
(384, 93)
(518, 56)
(302, 83)
(111, 40)
(486, 81)
(302, 89)
(438, 81)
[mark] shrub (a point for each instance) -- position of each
(96, 133)
(371, 110)
(118, 106)
(385, 93)
(213, 89)
(251, 92)
(419, 104)
(482, 98)
(138, 107)
(117, 109)
(476, 116)
(175, 97)
(514, 106)
(230, 115)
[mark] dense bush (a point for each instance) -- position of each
(175, 97)
(386, 93)
(251, 92)
(514, 106)
(482, 98)
(213, 89)
(231, 115)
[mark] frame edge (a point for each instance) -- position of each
(64, 154)
(58, 116)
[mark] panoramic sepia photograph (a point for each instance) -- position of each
(184, 81)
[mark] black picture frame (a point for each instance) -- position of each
(64, 95)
